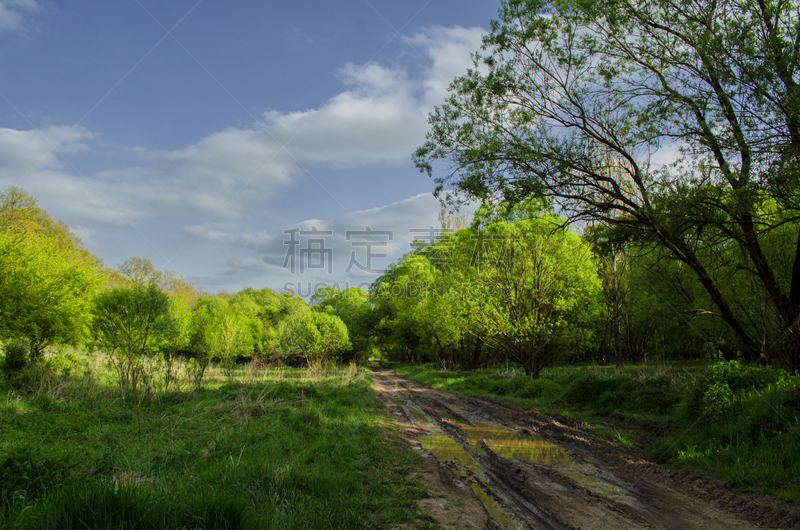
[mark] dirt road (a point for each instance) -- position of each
(494, 465)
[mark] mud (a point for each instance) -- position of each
(500, 466)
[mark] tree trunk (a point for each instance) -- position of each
(684, 253)
(615, 308)
(532, 368)
(476, 353)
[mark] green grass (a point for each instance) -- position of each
(573, 392)
(738, 423)
(285, 449)
(742, 423)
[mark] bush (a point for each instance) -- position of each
(590, 391)
(722, 386)
(17, 356)
(663, 450)
(656, 395)
(540, 388)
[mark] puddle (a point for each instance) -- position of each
(587, 480)
(419, 415)
(447, 450)
(509, 445)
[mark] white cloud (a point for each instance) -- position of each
(23, 151)
(381, 114)
(375, 119)
(449, 50)
(12, 11)
(217, 176)
(261, 255)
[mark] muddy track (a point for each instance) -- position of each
(531, 470)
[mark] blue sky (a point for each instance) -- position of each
(207, 136)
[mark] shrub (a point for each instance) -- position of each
(17, 356)
(540, 388)
(624, 394)
(663, 450)
(722, 386)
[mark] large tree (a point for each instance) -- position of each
(46, 291)
(353, 307)
(142, 272)
(47, 278)
(535, 293)
(224, 328)
(417, 319)
(569, 99)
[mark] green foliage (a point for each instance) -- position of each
(223, 328)
(353, 308)
(543, 292)
(418, 319)
(16, 356)
(743, 423)
(568, 101)
(132, 323)
(315, 337)
(514, 287)
(20, 214)
(624, 394)
(142, 272)
(575, 391)
(46, 291)
(136, 507)
(723, 386)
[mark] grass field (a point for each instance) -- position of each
(280, 448)
(738, 423)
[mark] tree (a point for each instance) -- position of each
(611, 266)
(569, 99)
(141, 271)
(224, 328)
(132, 323)
(47, 278)
(271, 309)
(353, 307)
(418, 320)
(181, 314)
(45, 291)
(20, 214)
(316, 337)
(536, 292)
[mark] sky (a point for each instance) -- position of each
(247, 144)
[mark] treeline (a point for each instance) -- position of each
(54, 292)
(514, 284)
(518, 285)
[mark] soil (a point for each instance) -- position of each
(494, 465)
